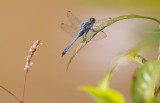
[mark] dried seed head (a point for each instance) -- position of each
(32, 50)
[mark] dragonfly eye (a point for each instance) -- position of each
(92, 20)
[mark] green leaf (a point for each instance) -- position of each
(144, 81)
(104, 96)
(133, 57)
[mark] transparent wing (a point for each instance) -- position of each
(76, 24)
(99, 22)
(73, 31)
(99, 36)
(73, 19)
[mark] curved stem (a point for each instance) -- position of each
(109, 22)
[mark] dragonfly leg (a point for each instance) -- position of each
(83, 36)
(92, 29)
(86, 33)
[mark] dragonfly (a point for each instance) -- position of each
(78, 28)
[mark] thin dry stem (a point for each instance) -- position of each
(11, 93)
(25, 78)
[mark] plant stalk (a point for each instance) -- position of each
(25, 78)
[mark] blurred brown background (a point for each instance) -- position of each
(24, 21)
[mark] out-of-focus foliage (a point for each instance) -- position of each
(144, 81)
(145, 77)
(122, 2)
(157, 91)
(152, 39)
(132, 56)
(103, 94)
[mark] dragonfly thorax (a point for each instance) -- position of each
(86, 26)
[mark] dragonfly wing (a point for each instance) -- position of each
(99, 36)
(73, 31)
(73, 19)
(99, 22)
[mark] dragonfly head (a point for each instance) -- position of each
(92, 20)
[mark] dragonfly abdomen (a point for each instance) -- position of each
(79, 35)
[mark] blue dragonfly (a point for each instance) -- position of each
(79, 28)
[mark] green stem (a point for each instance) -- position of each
(109, 22)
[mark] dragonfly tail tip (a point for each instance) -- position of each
(63, 54)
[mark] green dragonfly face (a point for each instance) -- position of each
(92, 20)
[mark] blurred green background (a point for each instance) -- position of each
(23, 22)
